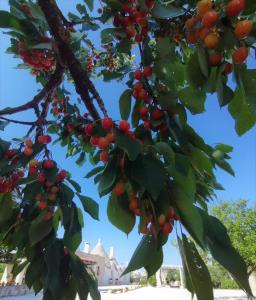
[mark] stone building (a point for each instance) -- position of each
(105, 266)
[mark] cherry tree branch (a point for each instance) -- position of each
(53, 82)
(17, 121)
(83, 84)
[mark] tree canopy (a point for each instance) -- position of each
(154, 167)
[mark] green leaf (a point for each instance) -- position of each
(224, 92)
(125, 104)
(107, 35)
(225, 148)
(201, 161)
(74, 184)
(66, 192)
(108, 177)
(162, 11)
(9, 21)
(119, 213)
(190, 217)
(94, 172)
(135, 113)
(193, 99)
(193, 68)
(198, 271)
(90, 206)
(89, 3)
(130, 145)
(219, 244)
(149, 173)
(203, 62)
(6, 206)
(187, 279)
(3, 124)
(166, 150)
(240, 111)
(155, 262)
(144, 253)
(39, 229)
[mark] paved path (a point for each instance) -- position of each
(151, 293)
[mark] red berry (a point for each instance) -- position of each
(44, 139)
(234, 8)
(28, 151)
(10, 153)
(110, 137)
(124, 126)
(119, 189)
(107, 123)
(240, 55)
(143, 111)
(94, 140)
(103, 143)
(157, 114)
(243, 29)
(104, 157)
(143, 95)
(228, 69)
(48, 164)
(147, 72)
(88, 129)
(133, 204)
(62, 174)
(161, 220)
(150, 4)
(167, 228)
(171, 215)
(138, 75)
(41, 178)
(215, 59)
(138, 86)
(29, 143)
(146, 125)
(210, 18)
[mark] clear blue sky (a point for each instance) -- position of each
(215, 125)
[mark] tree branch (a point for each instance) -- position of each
(53, 82)
(82, 82)
(17, 121)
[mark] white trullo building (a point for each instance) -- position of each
(105, 266)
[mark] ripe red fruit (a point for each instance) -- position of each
(234, 8)
(146, 125)
(104, 157)
(147, 72)
(88, 129)
(171, 215)
(29, 143)
(62, 174)
(150, 4)
(41, 178)
(228, 69)
(138, 86)
(243, 29)
(44, 139)
(133, 204)
(138, 74)
(161, 220)
(103, 143)
(54, 190)
(110, 137)
(211, 41)
(124, 126)
(10, 153)
(190, 23)
(107, 123)
(42, 205)
(47, 216)
(240, 55)
(215, 59)
(144, 230)
(167, 228)
(203, 6)
(94, 140)
(157, 114)
(143, 111)
(48, 164)
(138, 38)
(142, 94)
(119, 189)
(192, 37)
(210, 18)
(28, 151)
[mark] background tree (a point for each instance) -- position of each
(172, 275)
(184, 50)
(240, 221)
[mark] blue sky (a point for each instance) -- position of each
(215, 125)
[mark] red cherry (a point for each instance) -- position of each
(88, 129)
(157, 114)
(147, 72)
(146, 125)
(119, 189)
(215, 59)
(210, 18)
(110, 137)
(143, 111)
(133, 204)
(41, 178)
(104, 157)
(107, 123)
(167, 228)
(62, 174)
(10, 153)
(124, 126)
(171, 215)
(138, 74)
(150, 4)
(103, 143)
(240, 55)
(234, 8)
(138, 86)
(143, 95)
(94, 140)
(228, 69)
(44, 139)
(48, 164)
(28, 151)
(161, 220)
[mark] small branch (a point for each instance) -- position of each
(53, 82)
(62, 37)
(17, 121)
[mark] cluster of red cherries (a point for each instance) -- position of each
(37, 59)
(7, 185)
(42, 139)
(206, 27)
(133, 20)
